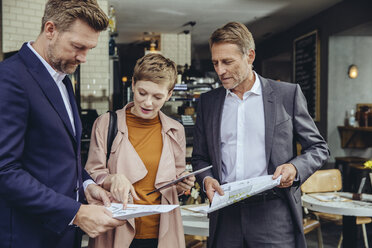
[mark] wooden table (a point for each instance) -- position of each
(349, 210)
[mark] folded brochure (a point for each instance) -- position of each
(237, 191)
(137, 210)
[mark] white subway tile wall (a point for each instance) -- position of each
(95, 74)
(177, 47)
(21, 22)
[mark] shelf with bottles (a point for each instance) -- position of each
(357, 129)
(183, 103)
(191, 91)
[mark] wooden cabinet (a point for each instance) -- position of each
(355, 137)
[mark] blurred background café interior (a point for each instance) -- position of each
(323, 45)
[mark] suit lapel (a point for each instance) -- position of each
(217, 108)
(47, 85)
(270, 116)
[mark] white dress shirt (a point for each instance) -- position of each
(243, 135)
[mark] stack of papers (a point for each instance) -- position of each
(240, 190)
(137, 210)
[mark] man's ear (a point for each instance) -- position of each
(251, 56)
(50, 29)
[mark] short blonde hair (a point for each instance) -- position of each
(235, 33)
(63, 13)
(155, 68)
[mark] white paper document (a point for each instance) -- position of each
(240, 190)
(137, 210)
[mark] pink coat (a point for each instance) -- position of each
(124, 159)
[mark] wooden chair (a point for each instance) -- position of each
(310, 223)
(330, 181)
(195, 241)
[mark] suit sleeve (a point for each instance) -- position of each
(200, 156)
(86, 176)
(18, 188)
(314, 148)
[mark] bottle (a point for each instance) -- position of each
(346, 119)
(112, 46)
(352, 118)
(112, 20)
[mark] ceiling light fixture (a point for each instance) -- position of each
(191, 23)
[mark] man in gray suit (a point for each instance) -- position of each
(249, 128)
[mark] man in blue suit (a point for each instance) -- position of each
(42, 181)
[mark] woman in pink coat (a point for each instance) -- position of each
(147, 152)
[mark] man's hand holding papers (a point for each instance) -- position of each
(211, 186)
(237, 191)
(288, 173)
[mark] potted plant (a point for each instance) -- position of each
(368, 164)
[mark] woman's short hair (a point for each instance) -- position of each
(235, 33)
(155, 68)
(63, 13)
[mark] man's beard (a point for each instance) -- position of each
(65, 66)
(234, 85)
(239, 80)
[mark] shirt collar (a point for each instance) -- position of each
(256, 88)
(57, 76)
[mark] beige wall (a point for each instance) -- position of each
(177, 47)
(21, 22)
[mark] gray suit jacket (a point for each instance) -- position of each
(286, 121)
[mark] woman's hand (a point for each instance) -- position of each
(120, 188)
(185, 184)
(97, 195)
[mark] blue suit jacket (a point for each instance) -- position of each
(39, 156)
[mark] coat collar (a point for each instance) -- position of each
(167, 169)
(166, 124)
(47, 85)
(216, 127)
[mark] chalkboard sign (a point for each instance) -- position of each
(306, 70)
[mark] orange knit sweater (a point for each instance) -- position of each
(146, 138)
